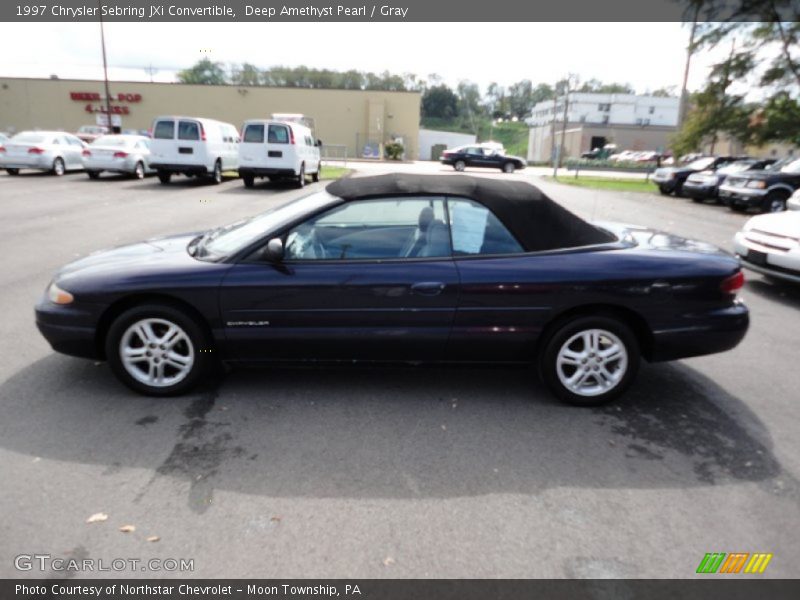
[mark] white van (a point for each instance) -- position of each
(278, 150)
(194, 147)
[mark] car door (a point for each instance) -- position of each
(473, 157)
(503, 301)
(367, 280)
(191, 146)
(73, 152)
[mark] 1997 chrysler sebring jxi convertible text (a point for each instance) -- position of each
(401, 268)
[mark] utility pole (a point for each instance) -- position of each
(567, 86)
(553, 129)
(682, 108)
(105, 66)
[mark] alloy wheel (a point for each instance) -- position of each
(592, 362)
(156, 352)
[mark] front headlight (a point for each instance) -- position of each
(756, 184)
(58, 296)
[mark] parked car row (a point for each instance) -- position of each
(740, 183)
(194, 147)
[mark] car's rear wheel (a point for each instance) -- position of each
(58, 167)
(590, 360)
(508, 167)
(158, 350)
(775, 202)
(138, 170)
(459, 165)
(93, 174)
(301, 177)
(216, 175)
(164, 177)
(12, 171)
(249, 180)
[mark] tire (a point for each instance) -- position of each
(301, 177)
(698, 200)
(566, 355)
(58, 167)
(509, 167)
(663, 190)
(249, 180)
(679, 190)
(459, 165)
(315, 176)
(12, 171)
(216, 174)
(182, 363)
(164, 177)
(774, 202)
(138, 170)
(93, 174)
(737, 208)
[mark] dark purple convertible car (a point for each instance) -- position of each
(403, 268)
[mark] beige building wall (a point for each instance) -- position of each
(351, 118)
(726, 145)
(578, 138)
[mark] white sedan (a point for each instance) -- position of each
(53, 151)
(128, 154)
(770, 244)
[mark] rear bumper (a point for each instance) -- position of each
(266, 172)
(44, 163)
(703, 333)
(178, 168)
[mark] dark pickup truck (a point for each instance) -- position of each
(766, 190)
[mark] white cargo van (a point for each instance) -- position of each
(194, 147)
(278, 150)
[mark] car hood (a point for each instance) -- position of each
(154, 254)
(786, 224)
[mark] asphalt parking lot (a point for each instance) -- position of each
(385, 472)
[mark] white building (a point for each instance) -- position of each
(593, 120)
(432, 142)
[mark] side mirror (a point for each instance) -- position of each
(319, 143)
(274, 250)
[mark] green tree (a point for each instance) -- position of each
(204, 72)
(439, 102)
(246, 74)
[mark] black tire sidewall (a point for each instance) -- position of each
(164, 177)
(63, 167)
(203, 350)
(136, 170)
(547, 362)
(248, 180)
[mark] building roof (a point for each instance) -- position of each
(536, 221)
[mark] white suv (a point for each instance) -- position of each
(278, 150)
(194, 147)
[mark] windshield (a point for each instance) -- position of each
(792, 167)
(228, 240)
(736, 167)
(701, 163)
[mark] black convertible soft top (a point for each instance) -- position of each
(537, 221)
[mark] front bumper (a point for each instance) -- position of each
(777, 257)
(702, 333)
(667, 184)
(69, 329)
(741, 197)
(700, 191)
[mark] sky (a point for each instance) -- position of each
(646, 55)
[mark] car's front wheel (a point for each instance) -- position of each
(459, 165)
(249, 180)
(590, 360)
(164, 177)
(775, 202)
(12, 171)
(93, 174)
(158, 350)
(301, 177)
(315, 177)
(663, 190)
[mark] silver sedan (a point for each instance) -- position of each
(119, 154)
(53, 151)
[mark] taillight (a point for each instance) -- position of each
(202, 132)
(86, 153)
(35, 150)
(291, 136)
(733, 283)
(120, 154)
(2, 148)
